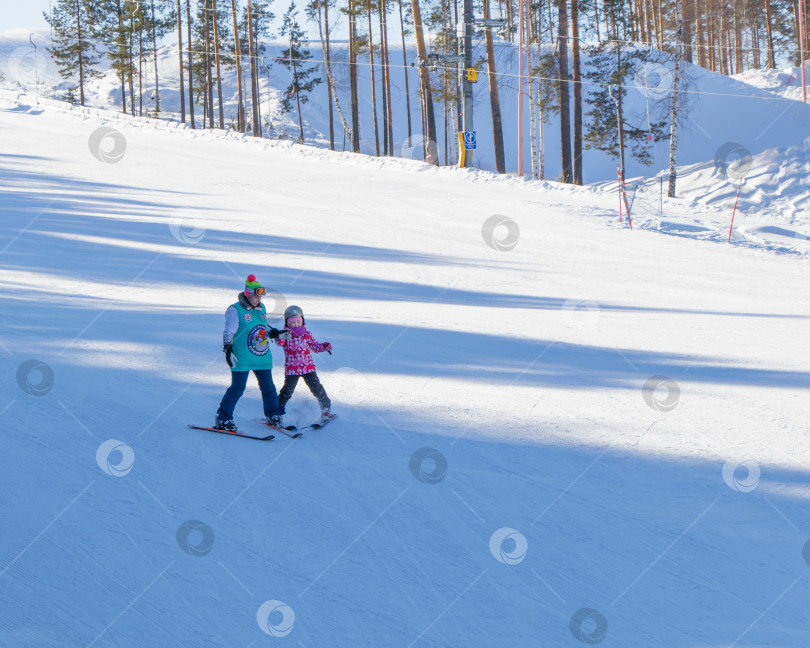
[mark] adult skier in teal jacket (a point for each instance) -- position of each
(246, 342)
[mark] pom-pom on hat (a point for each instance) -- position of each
(253, 287)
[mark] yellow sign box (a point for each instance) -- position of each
(472, 75)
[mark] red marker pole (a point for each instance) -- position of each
(735, 210)
(619, 184)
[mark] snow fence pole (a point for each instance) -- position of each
(624, 193)
(735, 210)
(662, 195)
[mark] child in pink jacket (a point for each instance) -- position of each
(298, 361)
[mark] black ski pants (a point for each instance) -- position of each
(314, 384)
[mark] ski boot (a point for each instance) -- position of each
(224, 424)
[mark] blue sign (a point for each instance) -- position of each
(469, 140)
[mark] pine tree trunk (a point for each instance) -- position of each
(445, 102)
(405, 69)
(648, 22)
(796, 29)
(240, 110)
(738, 52)
(81, 48)
(700, 33)
(660, 25)
(131, 63)
(382, 86)
(577, 93)
(532, 99)
(724, 68)
(219, 73)
(673, 133)
(632, 8)
(180, 68)
(190, 65)
(353, 77)
(373, 81)
(494, 99)
(388, 81)
(155, 50)
(209, 75)
(459, 83)
(424, 78)
(596, 19)
(541, 166)
(510, 20)
(328, 67)
(140, 61)
(121, 55)
(769, 36)
(388, 130)
(620, 112)
(257, 129)
(565, 109)
(297, 100)
(687, 30)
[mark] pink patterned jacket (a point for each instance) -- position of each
(297, 356)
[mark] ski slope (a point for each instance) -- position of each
(553, 430)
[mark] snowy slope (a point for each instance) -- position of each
(785, 82)
(525, 354)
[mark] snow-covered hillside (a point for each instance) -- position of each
(785, 82)
(553, 430)
(720, 110)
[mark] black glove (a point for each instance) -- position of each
(274, 334)
(228, 349)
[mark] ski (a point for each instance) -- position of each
(233, 433)
(319, 425)
(290, 430)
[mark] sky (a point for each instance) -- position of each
(26, 14)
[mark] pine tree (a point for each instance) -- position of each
(612, 65)
(295, 58)
(75, 29)
(117, 29)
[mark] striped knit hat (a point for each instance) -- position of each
(253, 287)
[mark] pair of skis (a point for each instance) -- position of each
(290, 430)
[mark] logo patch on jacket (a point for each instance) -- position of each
(248, 317)
(257, 341)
